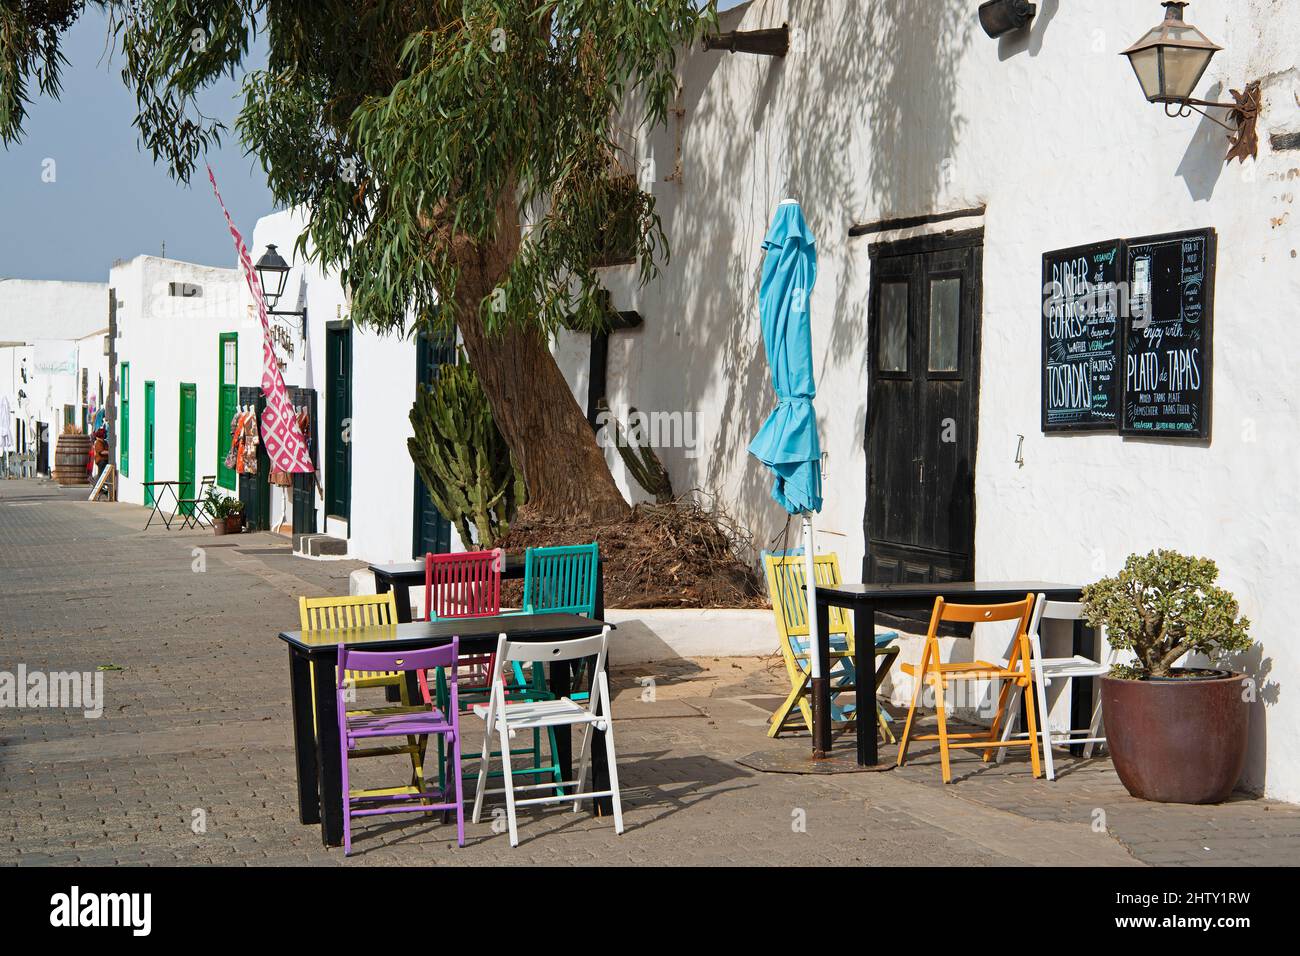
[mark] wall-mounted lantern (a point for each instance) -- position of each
(775, 42)
(1170, 61)
(999, 17)
(273, 272)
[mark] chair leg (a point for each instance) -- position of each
(1009, 725)
(584, 759)
(943, 727)
(919, 678)
(454, 772)
(1030, 707)
(613, 774)
(1094, 728)
(482, 773)
(347, 800)
(999, 715)
(783, 712)
(1040, 691)
(510, 784)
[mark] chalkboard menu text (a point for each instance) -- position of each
(1167, 335)
(1081, 337)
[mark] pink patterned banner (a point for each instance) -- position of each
(281, 435)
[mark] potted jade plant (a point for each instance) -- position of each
(1176, 734)
(227, 513)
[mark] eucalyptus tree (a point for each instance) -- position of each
(459, 160)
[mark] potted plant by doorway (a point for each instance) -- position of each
(227, 513)
(1176, 734)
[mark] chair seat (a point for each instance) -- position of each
(395, 725)
(965, 670)
(1076, 666)
(542, 713)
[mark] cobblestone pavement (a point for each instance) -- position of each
(196, 727)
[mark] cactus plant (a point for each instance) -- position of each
(462, 457)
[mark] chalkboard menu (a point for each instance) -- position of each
(1081, 337)
(1167, 335)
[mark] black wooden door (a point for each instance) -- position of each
(255, 490)
(432, 532)
(923, 409)
(303, 484)
(338, 420)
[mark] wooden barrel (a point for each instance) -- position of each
(70, 457)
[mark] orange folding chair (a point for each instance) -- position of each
(1017, 672)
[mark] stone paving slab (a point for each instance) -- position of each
(192, 760)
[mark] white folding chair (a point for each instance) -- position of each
(505, 718)
(1051, 668)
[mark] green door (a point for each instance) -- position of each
(338, 420)
(124, 426)
(189, 409)
(227, 403)
(148, 440)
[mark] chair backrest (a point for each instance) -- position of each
(785, 581)
(1045, 610)
(561, 580)
(359, 610)
(945, 613)
(467, 584)
(388, 662)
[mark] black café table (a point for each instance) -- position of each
(316, 743)
(864, 600)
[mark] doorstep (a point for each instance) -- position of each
(319, 546)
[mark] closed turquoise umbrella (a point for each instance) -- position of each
(787, 443)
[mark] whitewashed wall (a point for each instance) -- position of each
(896, 109)
(67, 319)
(169, 340)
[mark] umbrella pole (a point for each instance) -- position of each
(821, 691)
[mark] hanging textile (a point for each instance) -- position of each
(285, 445)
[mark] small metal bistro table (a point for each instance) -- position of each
(400, 578)
(316, 743)
(865, 599)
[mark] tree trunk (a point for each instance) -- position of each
(564, 470)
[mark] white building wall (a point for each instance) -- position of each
(171, 340)
(900, 109)
(49, 332)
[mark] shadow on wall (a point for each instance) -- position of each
(858, 122)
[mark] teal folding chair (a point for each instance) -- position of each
(560, 580)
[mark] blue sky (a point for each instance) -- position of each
(108, 199)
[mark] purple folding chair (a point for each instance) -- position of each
(433, 722)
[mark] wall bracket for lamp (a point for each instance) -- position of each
(1243, 135)
(774, 42)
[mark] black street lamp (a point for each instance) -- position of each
(273, 272)
(1169, 62)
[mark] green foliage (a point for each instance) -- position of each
(410, 132)
(30, 31)
(1162, 606)
(462, 458)
(220, 506)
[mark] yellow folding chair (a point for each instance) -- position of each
(785, 580)
(1017, 672)
(369, 610)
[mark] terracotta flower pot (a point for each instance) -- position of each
(234, 524)
(219, 526)
(1177, 741)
